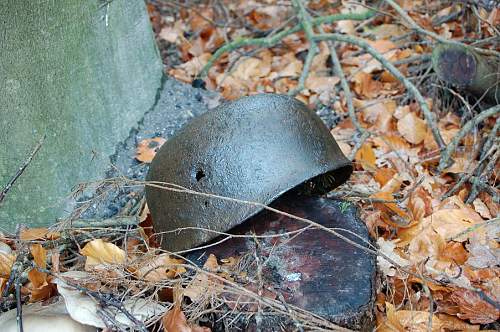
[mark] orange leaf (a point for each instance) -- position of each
(174, 320)
(203, 285)
(321, 84)
(38, 234)
(147, 149)
(366, 86)
(6, 262)
(481, 208)
(37, 278)
(99, 252)
(392, 214)
(471, 307)
(456, 252)
(412, 128)
(419, 204)
(160, 268)
(451, 222)
(366, 157)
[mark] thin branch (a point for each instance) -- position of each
(21, 170)
(274, 40)
(429, 116)
(306, 24)
(180, 189)
(432, 34)
(337, 68)
(450, 149)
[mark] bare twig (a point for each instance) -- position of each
(429, 116)
(364, 134)
(307, 26)
(21, 170)
(278, 37)
(431, 34)
(177, 188)
(450, 149)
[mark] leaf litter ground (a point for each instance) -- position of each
(436, 229)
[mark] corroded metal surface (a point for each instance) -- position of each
(254, 149)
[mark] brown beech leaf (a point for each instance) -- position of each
(481, 208)
(408, 320)
(412, 128)
(449, 223)
(392, 214)
(6, 262)
(253, 67)
(174, 320)
(99, 252)
(471, 307)
(146, 149)
(40, 286)
(38, 234)
(383, 175)
(160, 268)
(366, 157)
(321, 84)
(366, 86)
(202, 285)
(36, 277)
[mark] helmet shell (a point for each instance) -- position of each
(253, 149)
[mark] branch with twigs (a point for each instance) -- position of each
(369, 248)
(413, 25)
(306, 24)
(450, 149)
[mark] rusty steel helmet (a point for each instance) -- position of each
(252, 149)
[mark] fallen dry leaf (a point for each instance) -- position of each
(417, 321)
(38, 234)
(6, 262)
(42, 317)
(36, 277)
(321, 84)
(160, 268)
(408, 320)
(366, 157)
(366, 86)
(483, 248)
(471, 307)
(412, 128)
(253, 67)
(392, 214)
(449, 223)
(481, 208)
(40, 286)
(174, 320)
(84, 309)
(202, 285)
(388, 248)
(99, 252)
(147, 149)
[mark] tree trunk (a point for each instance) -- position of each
(80, 72)
(468, 70)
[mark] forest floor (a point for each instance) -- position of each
(426, 158)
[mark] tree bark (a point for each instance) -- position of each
(80, 72)
(468, 70)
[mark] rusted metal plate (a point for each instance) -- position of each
(313, 269)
